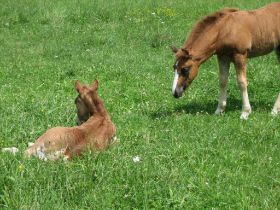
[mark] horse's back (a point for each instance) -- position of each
(265, 30)
(257, 31)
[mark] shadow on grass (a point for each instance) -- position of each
(209, 107)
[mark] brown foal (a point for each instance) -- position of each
(233, 35)
(95, 129)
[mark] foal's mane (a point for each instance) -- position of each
(99, 105)
(202, 25)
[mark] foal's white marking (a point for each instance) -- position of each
(176, 77)
(30, 144)
(246, 107)
(42, 155)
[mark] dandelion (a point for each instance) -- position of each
(136, 159)
(21, 168)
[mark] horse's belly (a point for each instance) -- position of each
(262, 48)
(264, 41)
(259, 52)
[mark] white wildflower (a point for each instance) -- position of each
(136, 159)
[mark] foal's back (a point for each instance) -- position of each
(99, 131)
(257, 31)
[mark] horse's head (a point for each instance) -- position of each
(185, 69)
(82, 111)
(85, 101)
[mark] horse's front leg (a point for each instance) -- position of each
(240, 66)
(224, 64)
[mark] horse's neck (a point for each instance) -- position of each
(202, 51)
(99, 109)
(95, 124)
(204, 45)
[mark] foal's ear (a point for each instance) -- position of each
(186, 52)
(95, 84)
(78, 86)
(174, 49)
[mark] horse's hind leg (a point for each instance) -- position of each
(224, 64)
(276, 107)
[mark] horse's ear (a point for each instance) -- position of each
(174, 49)
(78, 86)
(186, 52)
(95, 84)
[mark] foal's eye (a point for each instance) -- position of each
(76, 100)
(185, 72)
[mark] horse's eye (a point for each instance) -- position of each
(78, 99)
(185, 72)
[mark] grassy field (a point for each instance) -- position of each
(189, 158)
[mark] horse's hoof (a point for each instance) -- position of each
(219, 111)
(244, 116)
(274, 113)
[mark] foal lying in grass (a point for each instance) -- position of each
(94, 134)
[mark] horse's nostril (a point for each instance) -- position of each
(176, 95)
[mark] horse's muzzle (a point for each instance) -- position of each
(177, 95)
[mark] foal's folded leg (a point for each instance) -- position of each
(75, 150)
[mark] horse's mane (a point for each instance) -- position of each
(207, 21)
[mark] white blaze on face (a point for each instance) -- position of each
(176, 77)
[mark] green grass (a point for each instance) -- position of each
(190, 158)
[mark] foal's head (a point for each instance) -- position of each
(185, 69)
(85, 101)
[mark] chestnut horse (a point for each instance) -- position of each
(95, 130)
(233, 35)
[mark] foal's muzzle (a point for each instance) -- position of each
(177, 95)
(178, 92)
